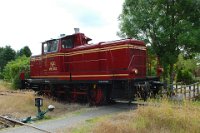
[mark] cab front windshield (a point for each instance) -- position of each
(50, 46)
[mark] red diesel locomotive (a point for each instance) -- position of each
(70, 68)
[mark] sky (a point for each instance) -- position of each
(30, 22)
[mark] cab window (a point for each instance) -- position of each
(67, 43)
(50, 46)
(45, 47)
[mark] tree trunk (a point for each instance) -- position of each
(171, 72)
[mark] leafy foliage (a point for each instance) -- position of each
(188, 64)
(6, 54)
(152, 61)
(185, 76)
(186, 69)
(171, 27)
(13, 69)
(24, 51)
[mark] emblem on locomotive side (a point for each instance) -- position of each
(52, 66)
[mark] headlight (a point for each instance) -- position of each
(134, 71)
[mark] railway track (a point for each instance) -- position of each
(6, 122)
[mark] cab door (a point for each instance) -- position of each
(67, 45)
(50, 58)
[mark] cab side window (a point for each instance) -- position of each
(67, 43)
(51, 46)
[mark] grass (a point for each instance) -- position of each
(4, 86)
(167, 117)
(20, 104)
(197, 98)
(159, 116)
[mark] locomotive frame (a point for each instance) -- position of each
(72, 69)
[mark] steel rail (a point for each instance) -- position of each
(23, 124)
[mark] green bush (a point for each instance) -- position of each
(16, 82)
(1, 75)
(13, 69)
(185, 76)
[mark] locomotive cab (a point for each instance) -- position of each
(64, 42)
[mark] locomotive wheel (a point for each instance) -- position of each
(146, 91)
(143, 91)
(96, 96)
(144, 94)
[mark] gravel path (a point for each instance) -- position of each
(69, 121)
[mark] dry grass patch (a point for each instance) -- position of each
(4, 86)
(117, 124)
(16, 104)
(21, 104)
(165, 118)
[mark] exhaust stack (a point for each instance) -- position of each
(77, 30)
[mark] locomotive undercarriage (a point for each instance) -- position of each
(136, 89)
(96, 92)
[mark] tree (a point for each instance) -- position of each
(1, 49)
(186, 69)
(6, 54)
(13, 69)
(24, 51)
(170, 26)
(151, 62)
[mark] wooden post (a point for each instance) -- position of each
(189, 92)
(194, 90)
(197, 88)
(176, 88)
(181, 89)
(184, 92)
